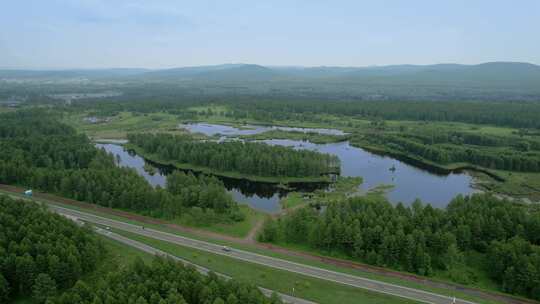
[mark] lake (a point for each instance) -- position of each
(409, 183)
(213, 129)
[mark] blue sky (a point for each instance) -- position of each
(167, 33)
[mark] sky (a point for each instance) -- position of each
(62, 34)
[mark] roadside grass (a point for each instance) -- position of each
(118, 256)
(321, 291)
(473, 272)
(297, 259)
(236, 229)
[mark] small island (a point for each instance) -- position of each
(236, 159)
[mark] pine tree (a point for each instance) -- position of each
(44, 287)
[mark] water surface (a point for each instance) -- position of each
(409, 182)
(214, 129)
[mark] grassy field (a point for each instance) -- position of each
(293, 200)
(343, 188)
(516, 184)
(321, 291)
(473, 273)
(236, 229)
(5, 109)
(118, 126)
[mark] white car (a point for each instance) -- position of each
(226, 248)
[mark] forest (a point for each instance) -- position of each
(250, 158)
(268, 108)
(422, 239)
(45, 257)
(40, 152)
(40, 252)
(510, 114)
(444, 146)
(164, 281)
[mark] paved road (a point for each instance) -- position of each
(154, 251)
(319, 273)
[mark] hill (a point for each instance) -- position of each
(225, 72)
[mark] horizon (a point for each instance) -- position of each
(255, 64)
(98, 34)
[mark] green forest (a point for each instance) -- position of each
(444, 146)
(510, 114)
(422, 239)
(40, 252)
(46, 257)
(521, 115)
(249, 158)
(40, 152)
(164, 281)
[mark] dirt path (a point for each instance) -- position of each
(252, 235)
(250, 239)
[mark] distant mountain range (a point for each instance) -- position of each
(508, 81)
(511, 73)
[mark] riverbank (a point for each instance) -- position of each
(480, 178)
(312, 137)
(235, 175)
(518, 185)
(425, 164)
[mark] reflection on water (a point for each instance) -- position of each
(131, 160)
(262, 196)
(409, 182)
(213, 129)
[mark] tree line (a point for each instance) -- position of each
(243, 157)
(443, 147)
(422, 239)
(164, 281)
(41, 252)
(40, 152)
(511, 114)
(45, 257)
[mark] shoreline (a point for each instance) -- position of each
(234, 175)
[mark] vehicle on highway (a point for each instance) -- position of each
(226, 249)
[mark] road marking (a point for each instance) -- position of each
(341, 278)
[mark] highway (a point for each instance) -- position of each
(311, 271)
(154, 251)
